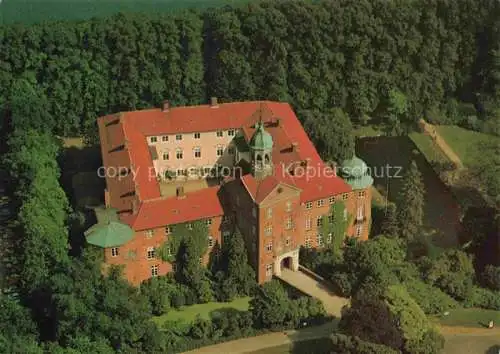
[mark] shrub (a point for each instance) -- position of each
(431, 299)
(353, 345)
(491, 277)
(432, 342)
(201, 328)
(484, 298)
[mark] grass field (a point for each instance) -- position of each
(465, 142)
(188, 314)
(33, 11)
(428, 148)
(478, 318)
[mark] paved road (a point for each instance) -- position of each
(333, 304)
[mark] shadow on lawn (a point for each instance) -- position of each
(493, 350)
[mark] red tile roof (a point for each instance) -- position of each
(153, 211)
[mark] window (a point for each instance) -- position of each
(208, 221)
(289, 223)
(200, 261)
(361, 194)
(269, 270)
(308, 223)
(220, 150)
(206, 170)
(345, 214)
(225, 236)
(179, 172)
(197, 152)
(360, 213)
(319, 239)
(321, 202)
(331, 218)
(178, 154)
(189, 226)
(269, 247)
(169, 250)
(154, 270)
(319, 221)
(308, 242)
(148, 233)
(269, 230)
(166, 155)
(331, 200)
(153, 139)
(288, 206)
(269, 213)
(174, 267)
(329, 238)
(288, 241)
(345, 196)
(210, 241)
(220, 134)
(230, 132)
(150, 253)
(359, 230)
(114, 252)
(164, 138)
(178, 137)
(230, 150)
(309, 205)
(196, 135)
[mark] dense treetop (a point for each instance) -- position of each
(349, 54)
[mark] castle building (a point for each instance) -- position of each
(245, 165)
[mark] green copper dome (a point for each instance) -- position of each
(355, 173)
(109, 231)
(261, 140)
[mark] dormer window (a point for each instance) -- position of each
(196, 135)
(153, 139)
(164, 138)
(220, 133)
(178, 137)
(230, 132)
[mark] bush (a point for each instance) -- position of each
(491, 277)
(431, 299)
(484, 298)
(201, 328)
(353, 345)
(432, 342)
(343, 282)
(158, 291)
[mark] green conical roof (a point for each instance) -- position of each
(261, 140)
(354, 167)
(109, 231)
(355, 173)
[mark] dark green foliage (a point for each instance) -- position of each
(331, 133)
(353, 345)
(431, 300)
(233, 275)
(432, 342)
(316, 55)
(390, 225)
(159, 291)
(484, 298)
(491, 277)
(453, 272)
(411, 204)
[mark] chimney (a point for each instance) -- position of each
(295, 146)
(180, 192)
(165, 106)
(213, 102)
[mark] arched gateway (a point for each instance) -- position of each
(288, 260)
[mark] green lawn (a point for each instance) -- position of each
(428, 148)
(465, 142)
(364, 131)
(470, 318)
(188, 314)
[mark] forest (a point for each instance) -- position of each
(339, 63)
(345, 54)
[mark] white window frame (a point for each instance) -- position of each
(220, 150)
(288, 241)
(320, 203)
(179, 154)
(361, 194)
(210, 241)
(225, 236)
(307, 244)
(166, 155)
(331, 200)
(155, 268)
(289, 223)
(149, 233)
(359, 230)
(269, 230)
(153, 139)
(308, 223)
(345, 196)
(197, 136)
(319, 239)
(309, 205)
(269, 246)
(197, 151)
(114, 252)
(208, 221)
(288, 206)
(269, 213)
(150, 253)
(219, 133)
(230, 132)
(178, 137)
(269, 270)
